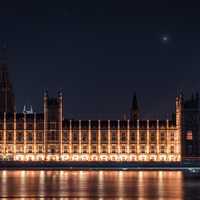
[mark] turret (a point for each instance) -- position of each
(53, 107)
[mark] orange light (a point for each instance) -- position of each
(189, 136)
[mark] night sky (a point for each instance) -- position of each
(101, 52)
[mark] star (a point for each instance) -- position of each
(165, 38)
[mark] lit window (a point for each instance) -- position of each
(85, 149)
(133, 149)
(162, 149)
(94, 149)
(123, 149)
(172, 149)
(65, 149)
(104, 149)
(189, 135)
(30, 150)
(114, 149)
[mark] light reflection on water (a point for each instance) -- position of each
(97, 185)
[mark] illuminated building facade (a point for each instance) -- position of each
(48, 136)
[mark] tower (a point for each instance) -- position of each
(53, 119)
(179, 122)
(134, 113)
(7, 99)
(53, 107)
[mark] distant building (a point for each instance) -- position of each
(49, 136)
(191, 127)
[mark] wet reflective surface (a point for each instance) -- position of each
(97, 185)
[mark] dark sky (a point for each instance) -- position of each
(100, 52)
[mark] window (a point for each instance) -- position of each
(153, 137)
(10, 136)
(40, 149)
(123, 149)
(162, 137)
(39, 136)
(104, 136)
(75, 149)
(94, 137)
(20, 149)
(30, 150)
(172, 137)
(172, 149)
(1, 136)
(66, 136)
(123, 136)
(189, 136)
(143, 137)
(75, 136)
(162, 150)
(104, 149)
(114, 136)
(84, 136)
(133, 136)
(52, 136)
(85, 149)
(65, 149)
(153, 149)
(94, 149)
(143, 149)
(114, 149)
(9, 149)
(20, 137)
(133, 149)
(30, 137)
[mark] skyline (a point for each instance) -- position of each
(101, 54)
(125, 114)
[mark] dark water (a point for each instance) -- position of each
(97, 185)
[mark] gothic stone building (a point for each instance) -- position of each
(48, 136)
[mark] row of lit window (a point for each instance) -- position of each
(85, 137)
(94, 149)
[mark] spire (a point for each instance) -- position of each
(134, 102)
(134, 108)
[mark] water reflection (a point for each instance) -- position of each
(96, 185)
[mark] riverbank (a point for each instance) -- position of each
(12, 165)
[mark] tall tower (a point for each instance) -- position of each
(134, 114)
(7, 99)
(179, 120)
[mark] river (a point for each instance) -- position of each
(141, 185)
